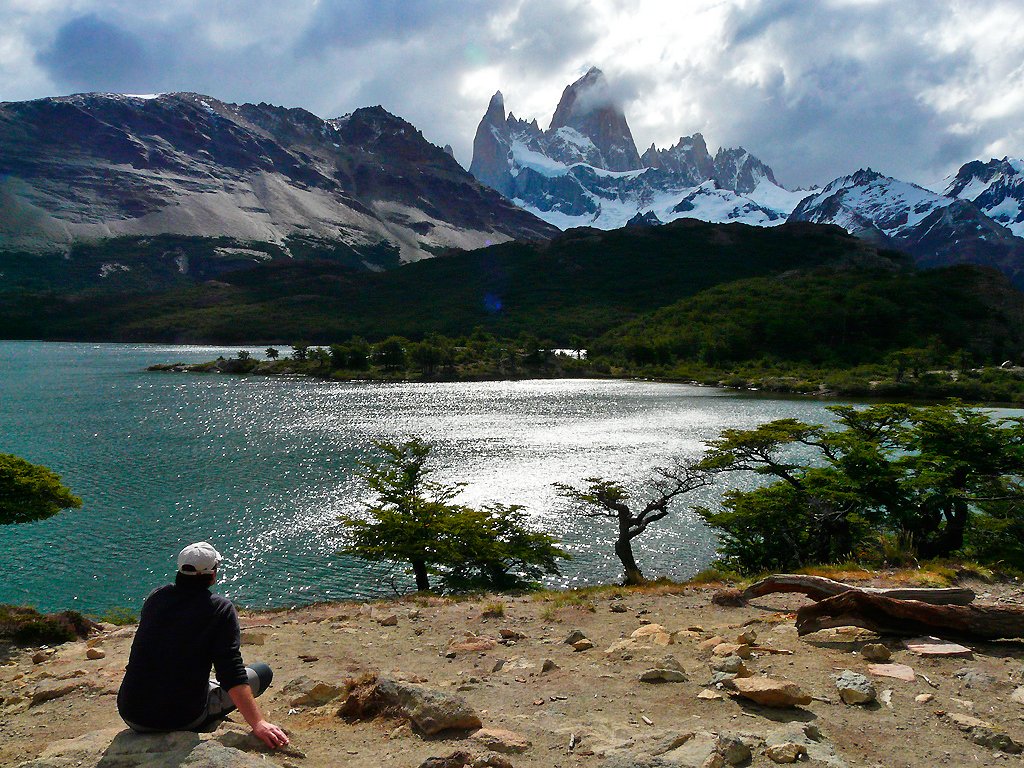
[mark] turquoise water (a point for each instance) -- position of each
(261, 467)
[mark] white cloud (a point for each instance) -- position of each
(816, 89)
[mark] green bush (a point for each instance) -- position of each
(24, 625)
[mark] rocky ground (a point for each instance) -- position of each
(652, 678)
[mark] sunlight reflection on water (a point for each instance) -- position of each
(262, 467)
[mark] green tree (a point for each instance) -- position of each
(299, 351)
(244, 355)
(30, 492)
(922, 474)
(272, 353)
(608, 499)
(390, 353)
(413, 519)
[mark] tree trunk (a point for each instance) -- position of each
(819, 588)
(419, 569)
(624, 551)
(886, 615)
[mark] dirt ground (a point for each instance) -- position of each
(593, 699)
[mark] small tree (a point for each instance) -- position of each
(300, 351)
(244, 355)
(272, 353)
(390, 353)
(413, 519)
(608, 499)
(30, 492)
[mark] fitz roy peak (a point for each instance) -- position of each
(367, 186)
(584, 169)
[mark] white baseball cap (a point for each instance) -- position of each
(198, 559)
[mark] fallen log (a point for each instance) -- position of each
(889, 616)
(819, 588)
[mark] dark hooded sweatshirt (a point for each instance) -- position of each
(184, 630)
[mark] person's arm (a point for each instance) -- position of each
(268, 733)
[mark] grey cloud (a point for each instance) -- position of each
(89, 53)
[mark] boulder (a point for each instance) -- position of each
(428, 710)
(95, 654)
(875, 652)
(770, 692)
(500, 740)
(126, 749)
(306, 692)
(854, 688)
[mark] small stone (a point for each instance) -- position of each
(1018, 695)
(618, 608)
(747, 637)
(732, 664)
(248, 637)
(663, 676)
(976, 678)
(40, 656)
(308, 658)
(574, 637)
(923, 698)
(854, 688)
(732, 749)
(582, 645)
(491, 760)
(95, 653)
(391, 620)
(472, 644)
(708, 695)
(709, 645)
(771, 692)
(789, 752)
(886, 697)
(548, 666)
(510, 634)
(730, 598)
(875, 652)
(305, 692)
(934, 647)
(648, 630)
(897, 671)
(501, 740)
(498, 664)
(732, 649)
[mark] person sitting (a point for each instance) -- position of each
(184, 630)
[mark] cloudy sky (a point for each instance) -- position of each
(816, 88)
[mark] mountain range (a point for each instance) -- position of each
(90, 167)
(584, 170)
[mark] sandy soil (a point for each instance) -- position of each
(592, 694)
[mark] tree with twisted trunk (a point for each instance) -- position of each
(602, 498)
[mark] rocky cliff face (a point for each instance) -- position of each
(95, 166)
(584, 170)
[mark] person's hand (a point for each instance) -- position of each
(270, 734)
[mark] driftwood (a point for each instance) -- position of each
(886, 615)
(820, 588)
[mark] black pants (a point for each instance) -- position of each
(218, 703)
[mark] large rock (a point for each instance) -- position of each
(48, 690)
(428, 710)
(770, 692)
(117, 748)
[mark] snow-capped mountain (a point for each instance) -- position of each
(935, 229)
(584, 169)
(94, 166)
(996, 187)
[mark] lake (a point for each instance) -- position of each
(261, 467)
